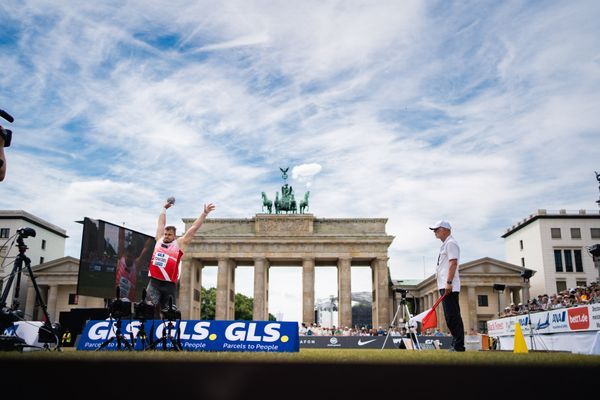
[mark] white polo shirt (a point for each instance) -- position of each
(448, 251)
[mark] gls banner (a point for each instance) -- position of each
(195, 335)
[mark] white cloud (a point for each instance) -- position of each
(412, 110)
(306, 172)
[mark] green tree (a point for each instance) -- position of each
(243, 305)
(208, 302)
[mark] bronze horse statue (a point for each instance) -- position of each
(304, 203)
(266, 203)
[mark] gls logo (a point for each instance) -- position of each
(105, 330)
(237, 332)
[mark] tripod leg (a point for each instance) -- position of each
(390, 328)
(105, 343)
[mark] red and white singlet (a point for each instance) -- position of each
(126, 279)
(165, 261)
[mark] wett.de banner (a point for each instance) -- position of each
(195, 335)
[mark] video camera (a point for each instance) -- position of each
(171, 312)
(8, 317)
(594, 250)
(6, 133)
(119, 307)
(50, 333)
(26, 232)
(143, 310)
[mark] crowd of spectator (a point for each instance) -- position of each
(573, 297)
(318, 330)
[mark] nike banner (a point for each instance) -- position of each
(370, 342)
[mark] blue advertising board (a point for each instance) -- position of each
(191, 335)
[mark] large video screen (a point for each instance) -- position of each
(113, 256)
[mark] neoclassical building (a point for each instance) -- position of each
(57, 281)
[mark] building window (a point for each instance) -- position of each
(197, 275)
(561, 286)
(4, 233)
(521, 244)
(196, 295)
(482, 300)
(595, 232)
(578, 262)
(73, 298)
(41, 260)
(575, 233)
(568, 261)
(555, 233)
(522, 261)
(43, 244)
(482, 326)
(581, 283)
(558, 261)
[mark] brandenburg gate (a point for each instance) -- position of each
(271, 240)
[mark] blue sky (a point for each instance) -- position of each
(477, 112)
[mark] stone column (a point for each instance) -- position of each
(231, 310)
(223, 280)
(260, 290)
(184, 301)
(51, 305)
(196, 285)
(381, 309)
(267, 268)
(516, 294)
(525, 292)
(30, 302)
(507, 298)
(471, 322)
(344, 293)
(308, 291)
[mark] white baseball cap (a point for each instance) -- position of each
(441, 224)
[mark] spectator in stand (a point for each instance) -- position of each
(302, 331)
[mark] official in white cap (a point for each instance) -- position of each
(448, 280)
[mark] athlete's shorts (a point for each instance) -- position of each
(159, 292)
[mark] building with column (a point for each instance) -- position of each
(57, 281)
(479, 300)
(48, 244)
(270, 241)
(555, 245)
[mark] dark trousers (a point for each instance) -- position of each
(453, 319)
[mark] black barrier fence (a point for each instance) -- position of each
(73, 322)
(371, 342)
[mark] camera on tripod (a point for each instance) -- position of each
(143, 311)
(8, 317)
(6, 133)
(171, 313)
(120, 308)
(26, 232)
